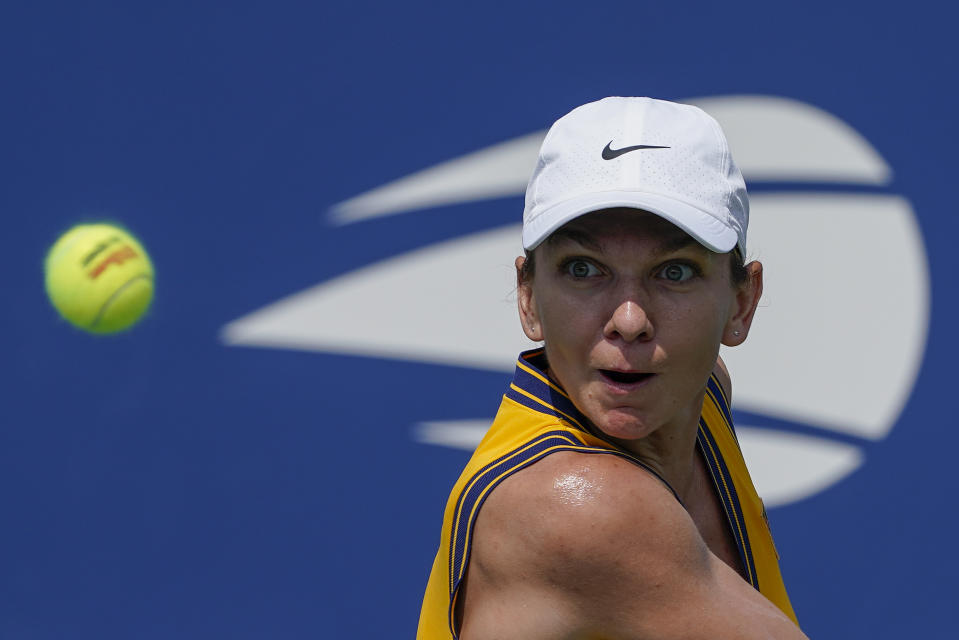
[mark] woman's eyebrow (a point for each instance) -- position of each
(674, 242)
(677, 242)
(579, 237)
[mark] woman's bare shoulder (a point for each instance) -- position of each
(574, 512)
(583, 545)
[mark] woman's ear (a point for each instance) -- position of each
(747, 299)
(526, 304)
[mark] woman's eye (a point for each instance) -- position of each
(581, 269)
(677, 272)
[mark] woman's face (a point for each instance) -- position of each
(632, 311)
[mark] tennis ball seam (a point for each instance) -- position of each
(103, 308)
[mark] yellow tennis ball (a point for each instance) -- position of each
(99, 278)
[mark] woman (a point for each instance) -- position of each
(609, 498)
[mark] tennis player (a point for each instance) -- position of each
(609, 498)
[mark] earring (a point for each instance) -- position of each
(736, 333)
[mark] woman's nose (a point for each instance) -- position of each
(630, 322)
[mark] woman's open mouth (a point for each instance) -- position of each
(625, 377)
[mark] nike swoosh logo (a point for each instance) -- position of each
(609, 154)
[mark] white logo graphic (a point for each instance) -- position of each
(839, 335)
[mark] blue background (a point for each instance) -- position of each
(159, 484)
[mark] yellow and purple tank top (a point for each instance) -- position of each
(537, 418)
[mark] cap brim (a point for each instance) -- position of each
(707, 230)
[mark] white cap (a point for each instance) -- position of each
(666, 158)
